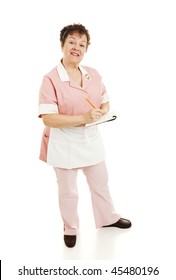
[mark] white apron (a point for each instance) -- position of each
(75, 147)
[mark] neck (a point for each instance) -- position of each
(70, 67)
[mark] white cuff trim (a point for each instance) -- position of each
(105, 98)
(48, 109)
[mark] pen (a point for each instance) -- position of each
(90, 103)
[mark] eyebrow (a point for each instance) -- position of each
(71, 37)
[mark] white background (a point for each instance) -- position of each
(133, 47)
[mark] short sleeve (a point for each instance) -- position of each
(105, 96)
(48, 103)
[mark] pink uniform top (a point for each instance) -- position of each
(71, 147)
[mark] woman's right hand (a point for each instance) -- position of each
(93, 115)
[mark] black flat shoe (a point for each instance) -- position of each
(121, 223)
(70, 240)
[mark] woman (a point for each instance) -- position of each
(72, 96)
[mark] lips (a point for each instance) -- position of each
(74, 54)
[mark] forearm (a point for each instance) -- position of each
(60, 121)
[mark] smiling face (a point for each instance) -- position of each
(74, 48)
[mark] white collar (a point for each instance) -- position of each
(64, 75)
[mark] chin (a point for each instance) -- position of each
(76, 59)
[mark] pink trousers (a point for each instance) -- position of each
(97, 179)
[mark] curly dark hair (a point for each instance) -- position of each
(72, 28)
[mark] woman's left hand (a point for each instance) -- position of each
(104, 108)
